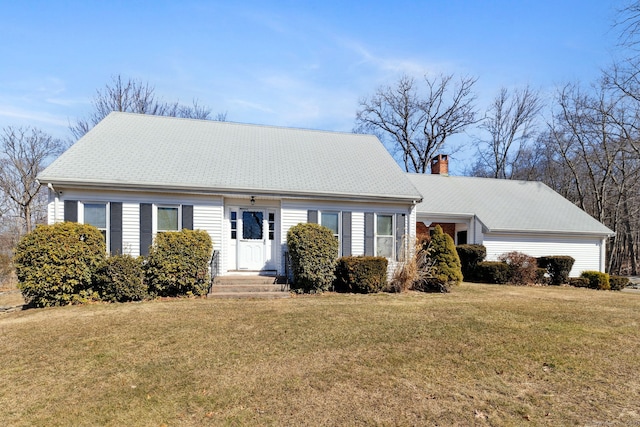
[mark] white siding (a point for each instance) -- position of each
(585, 250)
(131, 228)
(357, 233)
(208, 217)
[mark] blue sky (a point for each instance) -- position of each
(289, 63)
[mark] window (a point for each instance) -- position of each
(252, 225)
(384, 236)
(234, 225)
(272, 225)
(96, 214)
(167, 218)
(331, 221)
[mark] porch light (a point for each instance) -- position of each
(253, 200)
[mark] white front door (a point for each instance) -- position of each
(251, 240)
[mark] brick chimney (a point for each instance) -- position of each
(440, 165)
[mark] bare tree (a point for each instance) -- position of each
(24, 153)
(415, 124)
(510, 125)
(134, 96)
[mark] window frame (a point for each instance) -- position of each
(178, 207)
(338, 236)
(391, 236)
(107, 219)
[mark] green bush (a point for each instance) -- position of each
(121, 279)
(470, 256)
(558, 268)
(542, 276)
(361, 274)
(493, 272)
(313, 250)
(579, 282)
(597, 280)
(442, 263)
(523, 269)
(618, 283)
(56, 264)
(178, 263)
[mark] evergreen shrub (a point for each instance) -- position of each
(558, 268)
(56, 264)
(618, 283)
(470, 256)
(493, 272)
(443, 263)
(178, 263)
(578, 282)
(121, 279)
(597, 280)
(313, 250)
(361, 274)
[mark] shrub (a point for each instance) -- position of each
(579, 282)
(56, 264)
(178, 263)
(362, 274)
(542, 276)
(597, 280)
(523, 268)
(406, 271)
(470, 256)
(493, 272)
(313, 251)
(618, 283)
(121, 279)
(558, 267)
(440, 264)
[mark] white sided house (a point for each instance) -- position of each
(134, 176)
(506, 215)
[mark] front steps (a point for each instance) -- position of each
(243, 286)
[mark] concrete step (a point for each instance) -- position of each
(248, 286)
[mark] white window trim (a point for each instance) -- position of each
(339, 235)
(154, 218)
(392, 235)
(107, 219)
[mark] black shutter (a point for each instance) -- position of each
(346, 233)
(146, 227)
(369, 233)
(400, 233)
(115, 228)
(312, 217)
(71, 210)
(187, 217)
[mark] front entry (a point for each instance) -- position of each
(252, 242)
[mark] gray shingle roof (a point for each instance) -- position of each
(144, 151)
(504, 205)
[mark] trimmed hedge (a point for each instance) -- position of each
(523, 269)
(313, 250)
(618, 283)
(121, 279)
(493, 272)
(579, 282)
(558, 267)
(361, 274)
(470, 256)
(597, 280)
(178, 263)
(56, 264)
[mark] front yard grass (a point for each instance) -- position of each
(481, 355)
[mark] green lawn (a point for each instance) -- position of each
(481, 355)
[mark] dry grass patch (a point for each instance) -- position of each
(485, 355)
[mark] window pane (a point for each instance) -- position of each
(252, 225)
(330, 220)
(385, 225)
(167, 219)
(384, 246)
(95, 214)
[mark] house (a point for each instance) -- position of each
(505, 215)
(134, 176)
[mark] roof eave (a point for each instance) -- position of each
(609, 233)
